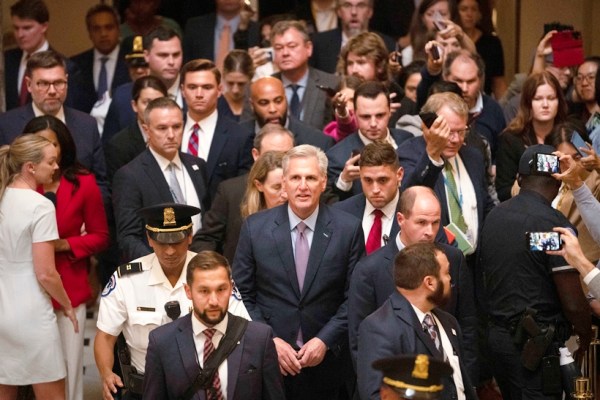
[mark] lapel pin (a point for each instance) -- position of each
(325, 234)
(195, 167)
(453, 332)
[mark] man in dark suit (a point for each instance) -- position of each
(202, 34)
(223, 144)
(178, 351)
(456, 172)
(381, 176)
(270, 106)
(46, 79)
(222, 223)
(372, 282)
(292, 265)
(164, 55)
(410, 322)
(103, 67)
(372, 110)
(161, 174)
(292, 48)
(354, 17)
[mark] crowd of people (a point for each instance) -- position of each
(314, 199)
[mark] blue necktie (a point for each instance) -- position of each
(295, 103)
(102, 78)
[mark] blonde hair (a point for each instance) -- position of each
(24, 149)
(254, 200)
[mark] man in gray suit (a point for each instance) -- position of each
(292, 49)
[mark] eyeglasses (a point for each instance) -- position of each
(350, 6)
(461, 133)
(589, 77)
(45, 85)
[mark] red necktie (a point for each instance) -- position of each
(193, 143)
(214, 393)
(374, 239)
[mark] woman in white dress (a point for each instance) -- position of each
(29, 341)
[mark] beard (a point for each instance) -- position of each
(203, 316)
(263, 121)
(438, 297)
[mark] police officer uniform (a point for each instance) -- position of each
(133, 302)
(413, 377)
(517, 278)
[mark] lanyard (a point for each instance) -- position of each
(457, 191)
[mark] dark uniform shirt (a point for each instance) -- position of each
(516, 277)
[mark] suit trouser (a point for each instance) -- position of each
(72, 346)
(322, 382)
(515, 381)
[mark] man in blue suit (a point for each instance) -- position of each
(46, 79)
(177, 351)
(372, 110)
(411, 322)
(456, 172)
(107, 55)
(161, 174)
(223, 144)
(293, 265)
(372, 282)
(380, 175)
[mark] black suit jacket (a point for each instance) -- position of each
(327, 46)
(395, 329)
(221, 225)
(120, 114)
(264, 271)
(373, 282)
(303, 133)
(419, 170)
(316, 105)
(122, 148)
(87, 90)
(172, 365)
(83, 128)
(140, 184)
(199, 37)
(341, 152)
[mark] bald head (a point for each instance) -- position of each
(268, 100)
(419, 215)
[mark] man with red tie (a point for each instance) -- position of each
(224, 145)
(380, 176)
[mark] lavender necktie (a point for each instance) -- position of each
(302, 252)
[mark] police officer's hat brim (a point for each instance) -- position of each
(169, 237)
(135, 60)
(168, 222)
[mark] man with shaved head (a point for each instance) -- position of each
(419, 216)
(269, 105)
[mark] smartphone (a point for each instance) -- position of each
(428, 118)
(438, 21)
(269, 52)
(355, 152)
(546, 164)
(542, 241)
(396, 55)
(435, 53)
(577, 141)
(330, 92)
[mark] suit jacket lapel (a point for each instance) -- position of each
(319, 244)
(197, 179)
(283, 242)
(218, 142)
(450, 331)
(156, 176)
(187, 348)
(234, 365)
(309, 102)
(405, 312)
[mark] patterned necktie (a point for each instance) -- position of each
(295, 103)
(432, 329)
(193, 143)
(223, 49)
(23, 93)
(302, 252)
(454, 201)
(174, 185)
(374, 238)
(214, 393)
(102, 78)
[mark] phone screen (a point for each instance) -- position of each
(542, 241)
(546, 163)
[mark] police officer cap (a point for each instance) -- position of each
(527, 161)
(168, 222)
(416, 377)
(135, 58)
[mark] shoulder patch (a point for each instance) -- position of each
(129, 268)
(110, 286)
(235, 292)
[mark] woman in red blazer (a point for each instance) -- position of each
(83, 232)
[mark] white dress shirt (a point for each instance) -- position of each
(199, 338)
(23, 64)
(111, 65)
(387, 219)
(205, 133)
(311, 223)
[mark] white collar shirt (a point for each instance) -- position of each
(206, 133)
(387, 219)
(198, 328)
(111, 65)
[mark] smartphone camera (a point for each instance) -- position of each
(542, 241)
(546, 164)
